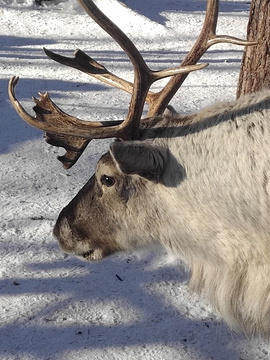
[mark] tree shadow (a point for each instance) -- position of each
(155, 9)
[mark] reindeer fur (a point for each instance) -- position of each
(199, 185)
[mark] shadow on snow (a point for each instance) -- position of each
(68, 320)
(155, 9)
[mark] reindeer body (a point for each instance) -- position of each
(199, 184)
(201, 190)
(223, 218)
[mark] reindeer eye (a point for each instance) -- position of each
(107, 180)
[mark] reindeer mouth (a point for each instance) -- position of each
(93, 254)
(88, 254)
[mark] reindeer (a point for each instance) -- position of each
(197, 184)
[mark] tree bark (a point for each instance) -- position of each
(255, 68)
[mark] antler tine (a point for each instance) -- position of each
(207, 38)
(60, 128)
(50, 118)
(88, 65)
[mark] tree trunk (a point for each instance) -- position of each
(255, 69)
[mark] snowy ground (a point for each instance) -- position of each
(54, 306)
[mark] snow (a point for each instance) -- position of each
(132, 305)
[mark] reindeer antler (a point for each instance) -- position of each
(74, 134)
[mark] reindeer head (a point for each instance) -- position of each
(122, 176)
(106, 215)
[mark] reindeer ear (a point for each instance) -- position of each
(139, 158)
